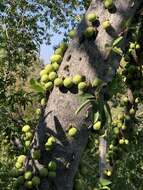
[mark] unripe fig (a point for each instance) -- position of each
(56, 58)
(72, 131)
(49, 85)
(27, 143)
(82, 86)
(52, 76)
(38, 111)
(28, 175)
(58, 82)
(43, 101)
(91, 17)
(36, 181)
(55, 66)
(29, 184)
(25, 128)
(51, 141)
(132, 111)
(49, 68)
(44, 78)
(132, 45)
(106, 24)
(68, 82)
(97, 125)
(96, 82)
(111, 146)
(52, 166)
(121, 141)
(59, 51)
(108, 4)
(89, 32)
(77, 79)
(52, 174)
(64, 46)
(126, 141)
(72, 33)
(43, 72)
(124, 127)
(21, 159)
(18, 165)
(28, 135)
(43, 172)
(109, 173)
(116, 130)
(137, 100)
(138, 46)
(36, 154)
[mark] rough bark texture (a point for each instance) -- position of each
(89, 58)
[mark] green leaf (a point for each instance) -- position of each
(96, 116)
(85, 96)
(36, 86)
(117, 41)
(105, 182)
(83, 105)
(118, 51)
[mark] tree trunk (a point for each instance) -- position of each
(89, 58)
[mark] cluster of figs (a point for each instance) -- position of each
(49, 79)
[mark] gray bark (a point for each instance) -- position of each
(88, 58)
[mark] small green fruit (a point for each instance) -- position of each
(28, 175)
(91, 17)
(49, 86)
(63, 46)
(43, 72)
(36, 154)
(59, 51)
(28, 136)
(25, 128)
(126, 141)
(82, 86)
(49, 68)
(132, 111)
(111, 146)
(52, 76)
(55, 66)
(43, 172)
(52, 166)
(44, 78)
(58, 82)
(36, 181)
(51, 141)
(108, 4)
(52, 174)
(56, 58)
(29, 184)
(89, 32)
(97, 125)
(97, 82)
(132, 45)
(138, 46)
(72, 131)
(72, 33)
(18, 165)
(43, 101)
(21, 159)
(124, 127)
(68, 82)
(27, 143)
(77, 79)
(38, 111)
(121, 141)
(106, 24)
(116, 130)
(109, 173)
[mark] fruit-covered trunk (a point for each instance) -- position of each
(90, 58)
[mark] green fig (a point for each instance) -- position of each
(52, 76)
(68, 82)
(25, 128)
(58, 82)
(56, 58)
(91, 17)
(72, 131)
(77, 79)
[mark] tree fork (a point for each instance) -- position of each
(91, 59)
